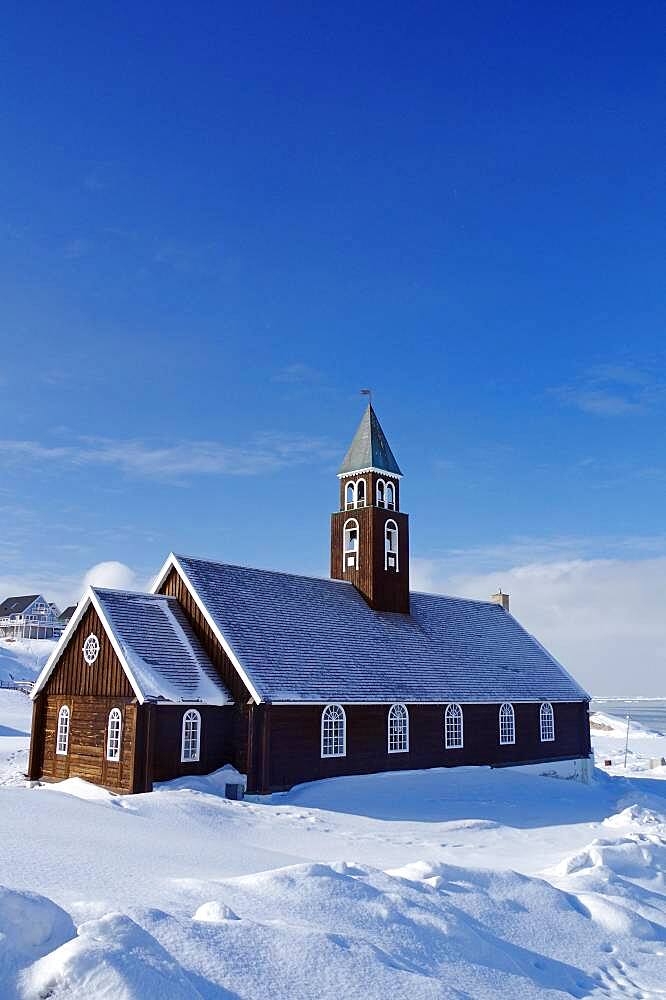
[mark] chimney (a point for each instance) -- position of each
(500, 598)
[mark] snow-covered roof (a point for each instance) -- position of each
(369, 449)
(155, 644)
(305, 639)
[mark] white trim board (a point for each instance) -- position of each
(172, 562)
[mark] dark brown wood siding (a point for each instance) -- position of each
(370, 487)
(86, 753)
(72, 675)
(90, 691)
(219, 738)
(385, 590)
(295, 740)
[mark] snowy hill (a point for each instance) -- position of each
(22, 659)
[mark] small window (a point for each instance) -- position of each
(350, 496)
(350, 545)
(453, 727)
(113, 734)
(91, 649)
(380, 493)
(333, 731)
(398, 729)
(390, 496)
(191, 736)
(391, 546)
(62, 736)
(507, 724)
(547, 722)
(360, 493)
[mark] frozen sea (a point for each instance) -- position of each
(649, 712)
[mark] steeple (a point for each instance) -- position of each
(369, 534)
(369, 448)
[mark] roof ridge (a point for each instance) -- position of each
(260, 569)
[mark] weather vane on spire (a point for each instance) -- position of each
(368, 393)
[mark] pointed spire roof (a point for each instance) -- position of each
(369, 449)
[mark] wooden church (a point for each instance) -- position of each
(294, 678)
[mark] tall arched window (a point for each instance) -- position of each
(398, 729)
(360, 493)
(113, 734)
(191, 736)
(547, 722)
(391, 546)
(380, 493)
(390, 496)
(333, 731)
(453, 727)
(507, 724)
(350, 544)
(350, 496)
(62, 735)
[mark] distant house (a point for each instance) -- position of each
(30, 617)
(293, 678)
(65, 615)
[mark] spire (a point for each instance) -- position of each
(369, 449)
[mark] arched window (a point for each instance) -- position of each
(547, 722)
(191, 736)
(390, 496)
(350, 496)
(360, 493)
(350, 544)
(333, 731)
(380, 493)
(507, 724)
(62, 735)
(453, 727)
(113, 734)
(398, 729)
(391, 546)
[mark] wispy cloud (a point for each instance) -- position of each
(613, 391)
(265, 453)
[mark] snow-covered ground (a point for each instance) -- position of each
(448, 883)
(22, 659)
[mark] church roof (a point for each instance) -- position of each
(305, 639)
(369, 449)
(155, 644)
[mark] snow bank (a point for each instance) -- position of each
(30, 926)
(112, 957)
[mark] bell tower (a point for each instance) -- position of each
(369, 534)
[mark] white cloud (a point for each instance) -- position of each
(268, 452)
(114, 575)
(602, 618)
(613, 391)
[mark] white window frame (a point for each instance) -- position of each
(90, 649)
(398, 728)
(114, 735)
(389, 504)
(507, 729)
(391, 552)
(193, 755)
(62, 731)
(335, 740)
(350, 504)
(350, 556)
(361, 502)
(380, 494)
(547, 723)
(453, 712)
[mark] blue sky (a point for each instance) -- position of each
(217, 224)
